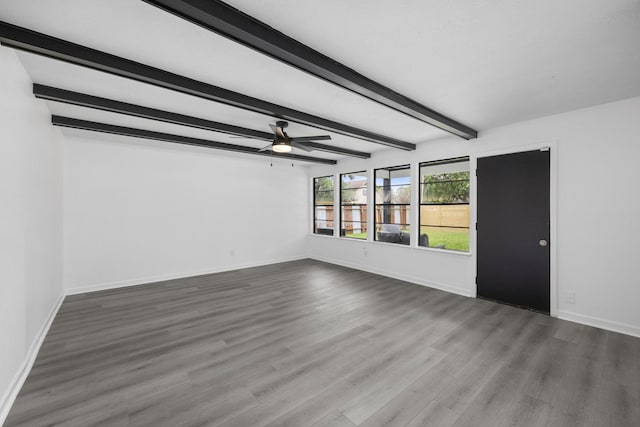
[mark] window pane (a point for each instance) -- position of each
(354, 196)
(393, 233)
(398, 175)
(353, 201)
(354, 213)
(445, 182)
(325, 228)
(456, 239)
(323, 212)
(445, 188)
(391, 214)
(354, 180)
(323, 183)
(355, 229)
(392, 204)
(400, 194)
(323, 197)
(444, 204)
(445, 215)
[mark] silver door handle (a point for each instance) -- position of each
(543, 242)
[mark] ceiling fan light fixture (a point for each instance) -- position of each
(281, 147)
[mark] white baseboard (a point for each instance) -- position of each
(406, 278)
(23, 371)
(21, 375)
(171, 276)
(564, 315)
(597, 322)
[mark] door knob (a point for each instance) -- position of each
(543, 242)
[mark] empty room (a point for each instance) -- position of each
(319, 213)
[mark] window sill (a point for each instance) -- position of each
(442, 251)
(396, 245)
(355, 239)
(421, 248)
(324, 236)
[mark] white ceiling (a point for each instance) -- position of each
(483, 63)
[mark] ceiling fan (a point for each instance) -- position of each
(283, 143)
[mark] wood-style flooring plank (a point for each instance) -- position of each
(306, 343)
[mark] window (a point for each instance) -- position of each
(323, 205)
(444, 204)
(393, 203)
(353, 205)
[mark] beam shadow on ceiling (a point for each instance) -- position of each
(42, 44)
(104, 104)
(69, 122)
(225, 20)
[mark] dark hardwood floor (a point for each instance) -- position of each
(308, 343)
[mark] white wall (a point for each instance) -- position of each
(598, 213)
(141, 211)
(135, 212)
(30, 222)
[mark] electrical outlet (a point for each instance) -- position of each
(364, 251)
(232, 252)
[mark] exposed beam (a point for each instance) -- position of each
(227, 21)
(84, 100)
(330, 149)
(178, 139)
(90, 101)
(42, 44)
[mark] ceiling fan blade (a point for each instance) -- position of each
(311, 138)
(301, 145)
(278, 132)
(265, 148)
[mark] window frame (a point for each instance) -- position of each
(407, 225)
(315, 205)
(421, 185)
(366, 204)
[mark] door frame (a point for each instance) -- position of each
(552, 145)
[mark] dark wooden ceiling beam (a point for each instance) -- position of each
(113, 106)
(42, 44)
(105, 104)
(316, 146)
(69, 122)
(227, 21)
